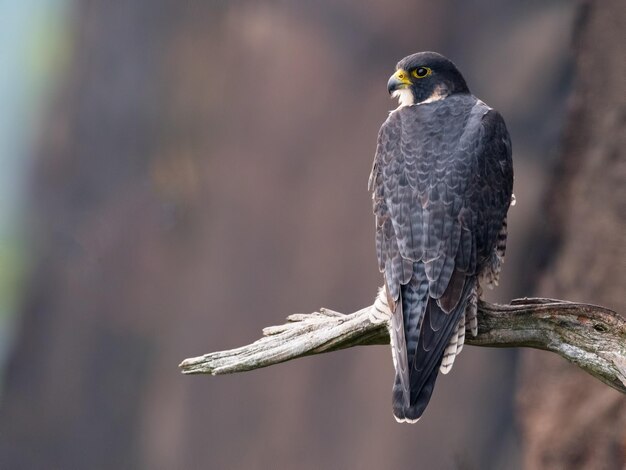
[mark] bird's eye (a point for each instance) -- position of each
(421, 72)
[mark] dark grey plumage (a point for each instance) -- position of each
(442, 183)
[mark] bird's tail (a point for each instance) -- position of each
(428, 332)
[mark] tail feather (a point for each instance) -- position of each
(407, 319)
(413, 412)
(471, 312)
(430, 334)
(401, 387)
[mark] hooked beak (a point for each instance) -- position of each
(398, 81)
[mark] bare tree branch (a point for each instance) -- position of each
(592, 337)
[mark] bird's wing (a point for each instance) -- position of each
(441, 183)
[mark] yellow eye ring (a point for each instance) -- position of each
(421, 72)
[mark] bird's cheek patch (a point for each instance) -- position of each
(439, 93)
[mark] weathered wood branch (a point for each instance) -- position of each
(592, 337)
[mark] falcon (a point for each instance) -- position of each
(441, 185)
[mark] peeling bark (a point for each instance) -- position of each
(592, 337)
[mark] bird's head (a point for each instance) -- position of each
(425, 77)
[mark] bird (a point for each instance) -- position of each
(442, 184)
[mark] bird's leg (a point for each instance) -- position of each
(380, 311)
(471, 311)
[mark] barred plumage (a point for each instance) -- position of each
(442, 184)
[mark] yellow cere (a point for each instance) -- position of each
(402, 76)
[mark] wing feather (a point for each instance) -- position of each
(442, 184)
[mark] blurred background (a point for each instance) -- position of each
(174, 176)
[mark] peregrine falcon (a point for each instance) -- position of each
(442, 184)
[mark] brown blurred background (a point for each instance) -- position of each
(198, 172)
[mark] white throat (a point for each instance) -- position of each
(405, 96)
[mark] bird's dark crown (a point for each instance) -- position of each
(429, 76)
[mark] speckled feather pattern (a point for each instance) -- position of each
(442, 183)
